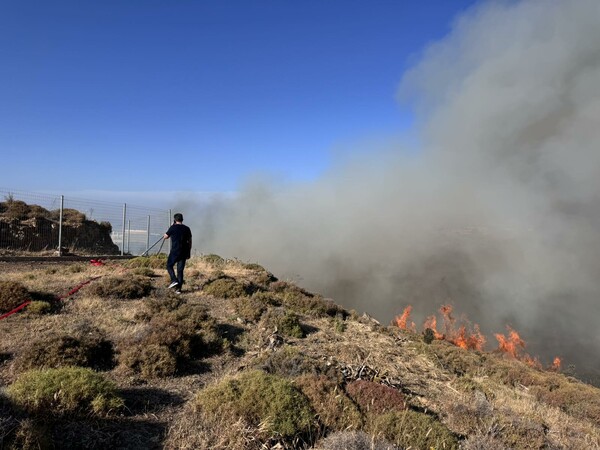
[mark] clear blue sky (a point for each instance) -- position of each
(146, 95)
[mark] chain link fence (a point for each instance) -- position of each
(35, 224)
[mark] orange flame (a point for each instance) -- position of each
(402, 320)
(431, 322)
(512, 344)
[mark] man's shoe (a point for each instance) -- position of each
(178, 291)
(173, 284)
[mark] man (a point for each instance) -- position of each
(181, 246)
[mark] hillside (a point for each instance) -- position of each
(241, 360)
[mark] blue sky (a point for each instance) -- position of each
(148, 96)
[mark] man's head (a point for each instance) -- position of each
(178, 217)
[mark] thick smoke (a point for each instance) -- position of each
(497, 212)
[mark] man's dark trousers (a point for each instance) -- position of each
(180, 266)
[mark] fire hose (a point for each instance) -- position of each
(62, 297)
(153, 245)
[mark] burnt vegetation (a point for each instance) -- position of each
(241, 360)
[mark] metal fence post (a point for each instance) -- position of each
(123, 229)
(128, 234)
(60, 224)
(148, 235)
(169, 224)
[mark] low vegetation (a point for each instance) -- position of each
(269, 403)
(64, 391)
(242, 361)
(12, 294)
(121, 287)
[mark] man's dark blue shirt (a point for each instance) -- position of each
(181, 241)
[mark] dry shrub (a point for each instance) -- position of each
(170, 342)
(9, 421)
(29, 434)
(143, 271)
(260, 275)
(64, 391)
(520, 432)
(575, 398)
(76, 268)
(482, 441)
(252, 308)
(290, 362)
(225, 288)
(572, 396)
(213, 260)
(87, 347)
(312, 305)
(12, 294)
(158, 261)
(455, 359)
(334, 409)
(285, 322)
(73, 216)
(353, 440)
(195, 429)
(149, 361)
(375, 398)
(413, 429)
(260, 399)
(122, 287)
(162, 305)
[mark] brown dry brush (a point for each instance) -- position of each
(12, 294)
(84, 347)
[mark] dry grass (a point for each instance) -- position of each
(170, 349)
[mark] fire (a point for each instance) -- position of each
(460, 337)
(431, 322)
(511, 344)
(401, 321)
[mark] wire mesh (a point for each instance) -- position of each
(30, 223)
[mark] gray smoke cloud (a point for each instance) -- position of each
(497, 213)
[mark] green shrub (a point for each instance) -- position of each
(39, 308)
(12, 294)
(225, 288)
(375, 398)
(334, 409)
(122, 287)
(67, 390)
(286, 322)
(269, 401)
(86, 348)
(413, 429)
